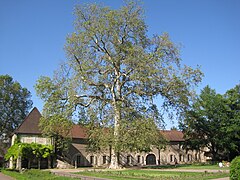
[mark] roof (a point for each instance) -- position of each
(30, 123)
(78, 131)
(173, 135)
(30, 126)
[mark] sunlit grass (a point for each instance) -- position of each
(33, 174)
(152, 174)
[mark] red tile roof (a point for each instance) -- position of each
(172, 135)
(30, 123)
(78, 131)
(30, 126)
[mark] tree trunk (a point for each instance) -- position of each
(116, 93)
(29, 163)
(110, 153)
(39, 163)
(114, 158)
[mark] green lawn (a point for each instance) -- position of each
(130, 174)
(152, 174)
(33, 174)
(216, 167)
(188, 166)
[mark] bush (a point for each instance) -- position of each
(235, 169)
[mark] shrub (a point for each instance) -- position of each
(235, 169)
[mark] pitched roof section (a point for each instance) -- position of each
(78, 131)
(30, 126)
(173, 135)
(30, 123)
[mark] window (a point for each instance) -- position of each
(78, 160)
(104, 159)
(138, 158)
(128, 159)
(91, 159)
(189, 157)
(171, 158)
(181, 158)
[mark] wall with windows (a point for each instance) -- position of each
(172, 154)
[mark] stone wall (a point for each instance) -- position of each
(35, 139)
(171, 154)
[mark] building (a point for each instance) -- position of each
(78, 156)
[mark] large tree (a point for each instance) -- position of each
(232, 128)
(14, 106)
(115, 71)
(205, 124)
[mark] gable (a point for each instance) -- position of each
(30, 123)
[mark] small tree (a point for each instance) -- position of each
(58, 128)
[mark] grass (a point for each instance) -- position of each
(141, 174)
(130, 174)
(214, 167)
(188, 166)
(33, 174)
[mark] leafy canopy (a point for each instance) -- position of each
(15, 103)
(58, 127)
(213, 122)
(114, 72)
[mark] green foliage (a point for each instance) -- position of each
(114, 71)
(57, 127)
(213, 122)
(28, 151)
(232, 129)
(14, 151)
(204, 124)
(56, 121)
(14, 105)
(235, 169)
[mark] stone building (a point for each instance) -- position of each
(78, 156)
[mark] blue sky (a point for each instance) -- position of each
(33, 33)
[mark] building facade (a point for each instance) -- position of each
(78, 156)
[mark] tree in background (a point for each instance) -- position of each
(114, 70)
(232, 128)
(213, 122)
(15, 103)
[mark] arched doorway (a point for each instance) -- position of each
(151, 159)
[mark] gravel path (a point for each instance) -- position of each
(4, 177)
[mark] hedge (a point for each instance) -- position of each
(235, 169)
